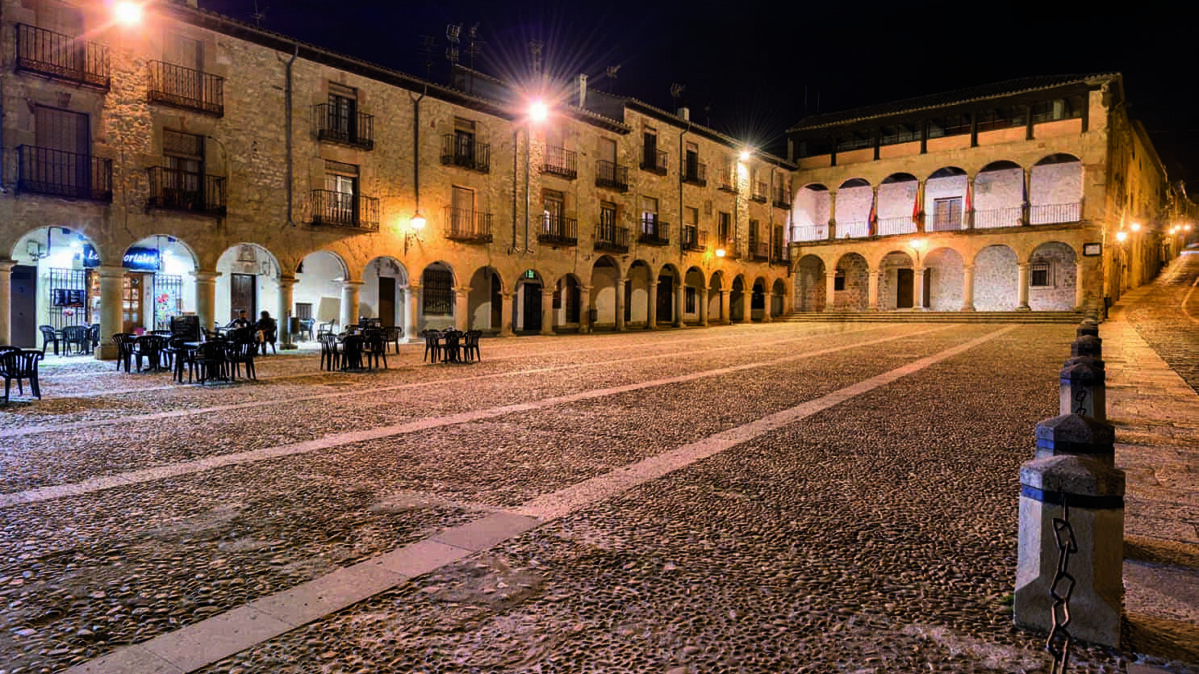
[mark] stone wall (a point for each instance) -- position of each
(889, 278)
(1059, 295)
(945, 279)
(996, 279)
(855, 271)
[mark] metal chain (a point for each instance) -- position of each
(1058, 643)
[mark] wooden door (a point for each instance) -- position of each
(665, 313)
(387, 301)
(497, 304)
(23, 307)
(531, 308)
(243, 295)
(904, 284)
(132, 293)
(928, 283)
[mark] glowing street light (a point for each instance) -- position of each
(720, 252)
(1136, 226)
(417, 223)
(1121, 236)
(128, 12)
(538, 111)
(745, 155)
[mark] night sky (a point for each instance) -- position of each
(752, 69)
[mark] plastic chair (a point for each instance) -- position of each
(153, 349)
(307, 326)
(374, 348)
(124, 342)
(49, 335)
(330, 352)
(432, 345)
(21, 364)
(451, 350)
(470, 345)
(241, 353)
(93, 333)
(75, 335)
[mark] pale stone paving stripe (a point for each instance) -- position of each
(29, 430)
(214, 639)
(337, 439)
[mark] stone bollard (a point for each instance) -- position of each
(1088, 328)
(1087, 345)
(1072, 480)
(1083, 388)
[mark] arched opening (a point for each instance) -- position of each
(636, 295)
(1052, 277)
(693, 297)
(528, 314)
(998, 195)
(996, 279)
(897, 282)
(567, 303)
(666, 313)
(1055, 190)
(944, 200)
(382, 293)
(943, 269)
(851, 283)
(248, 281)
(778, 298)
(810, 292)
(53, 284)
(485, 303)
(897, 204)
(737, 301)
(319, 290)
(438, 298)
(716, 310)
(757, 300)
(855, 199)
(605, 283)
(811, 214)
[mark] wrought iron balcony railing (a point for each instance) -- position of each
(63, 174)
(559, 231)
(853, 229)
(695, 173)
(945, 222)
(612, 238)
(464, 224)
(781, 255)
(332, 124)
(759, 192)
(561, 162)
(900, 225)
(187, 88)
(654, 232)
(694, 240)
(782, 198)
(653, 160)
(343, 209)
(464, 151)
(759, 250)
(177, 190)
(612, 176)
(1052, 214)
(63, 57)
(809, 232)
(727, 180)
(992, 218)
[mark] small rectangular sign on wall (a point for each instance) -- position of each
(1092, 249)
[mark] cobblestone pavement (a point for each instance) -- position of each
(1166, 314)
(758, 498)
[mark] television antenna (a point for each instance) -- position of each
(535, 47)
(452, 31)
(676, 92)
(259, 14)
(426, 46)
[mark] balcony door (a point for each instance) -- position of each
(463, 212)
(62, 162)
(184, 177)
(341, 197)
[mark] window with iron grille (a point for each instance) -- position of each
(1041, 275)
(68, 297)
(167, 299)
(184, 153)
(303, 310)
(437, 291)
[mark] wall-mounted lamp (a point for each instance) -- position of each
(720, 252)
(415, 225)
(1136, 226)
(918, 247)
(127, 12)
(744, 155)
(1121, 236)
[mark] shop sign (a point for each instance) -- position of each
(136, 258)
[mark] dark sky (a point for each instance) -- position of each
(760, 65)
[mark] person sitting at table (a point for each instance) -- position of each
(242, 321)
(265, 330)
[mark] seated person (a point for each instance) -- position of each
(265, 328)
(242, 321)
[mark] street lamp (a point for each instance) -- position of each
(918, 246)
(1121, 236)
(128, 12)
(538, 111)
(1136, 226)
(415, 225)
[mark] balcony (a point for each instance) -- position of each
(727, 180)
(187, 88)
(612, 238)
(175, 190)
(695, 173)
(561, 162)
(464, 224)
(653, 160)
(950, 221)
(611, 176)
(41, 170)
(809, 233)
(1052, 214)
(654, 232)
(993, 218)
(462, 150)
(900, 225)
(343, 209)
(693, 240)
(356, 129)
(759, 251)
(559, 231)
(759, 192)
(63, 57)
(853, 229)
(731, 250)
(782, 198)
(781, 256)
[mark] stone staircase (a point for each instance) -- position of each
(1064, 317)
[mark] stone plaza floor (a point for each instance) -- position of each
(778, 497)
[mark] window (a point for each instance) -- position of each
(607, 214)
(1041, 275)
(341, 185)
(342, 119)
(691, 169)
(554, 205)
(724, 227)
(437, 292)
(184, 178)
(649, 215)
(464, 140)
(183, 51)
(303, 310)
(947, 213)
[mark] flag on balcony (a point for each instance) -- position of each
(871, 224)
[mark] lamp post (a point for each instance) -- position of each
(416, 224)
(537, 112)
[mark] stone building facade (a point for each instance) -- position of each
(1034, 194)
(190, 163)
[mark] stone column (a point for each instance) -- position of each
(768, 303)
(205, 298)
(872, 225)
(830, 290)
(702, 292)
(112, 294)
(462, 309)
(506, 306)
(680, 301)
(1022, 286)
(584, 309)
(832, 214)
(620, 286)
(725, 317)
(872, 282)
(1079, 286)
(6, 266)
(547, 311)
(968, 287)
(651, 306)
(349, 303)
(287, 286)
(412, 300)
(969, 214)
(918, 289)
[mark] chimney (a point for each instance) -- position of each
(582, 91)
(685, 113)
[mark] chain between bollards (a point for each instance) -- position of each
(1058, 643)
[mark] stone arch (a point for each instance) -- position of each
(945, 199)
(716, 284)
(855, 198)
(568, 300)
(528, 314)
(485, 301)
(382, 293)
(896, 288)
(737, 311)
(851, 283)
(52, 283)
(944, 276)
(1052, 277)
(438, 308)
(998, 195)
(758, 301)
(694, 296)
(778, 298)
(1055, 188)
(320, 278)
(996, 279)
(636, 305)
(606, 282)
(809, 219)
(896, 204)
(809, 283)
(165, 269)
(249, 279)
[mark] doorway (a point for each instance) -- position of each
(243, 295)
(387, 301)
(23, 325)
(531, 307)
(664, 312)
(132, 295)
(904, 285)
